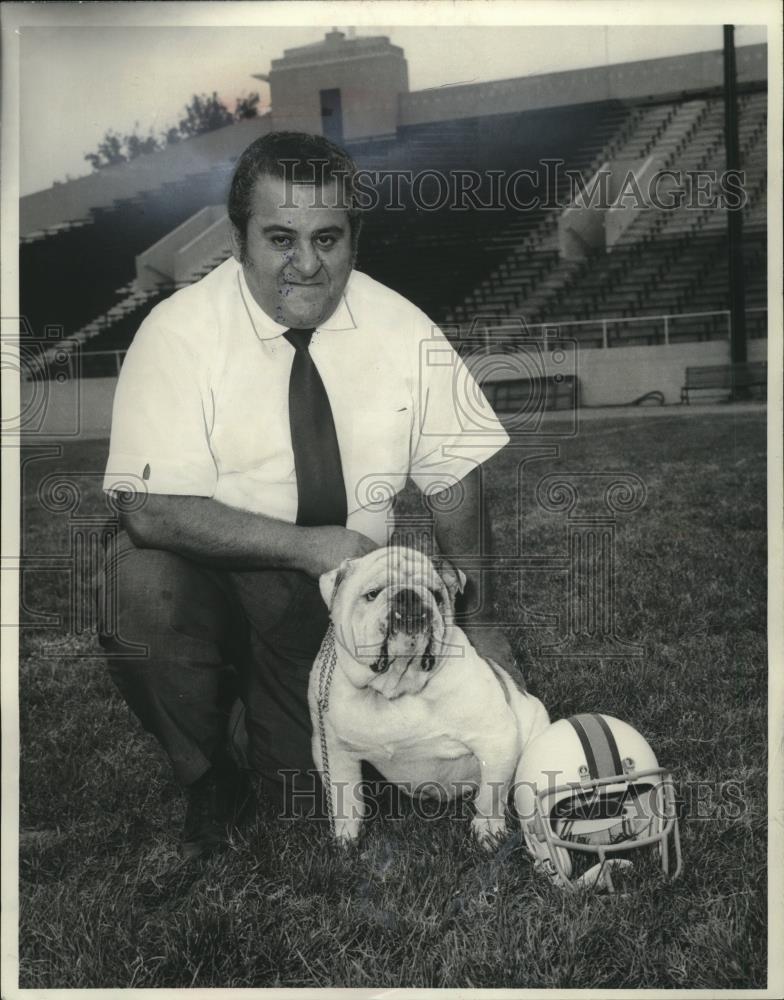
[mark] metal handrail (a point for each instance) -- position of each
(638, 319)
(603, 322)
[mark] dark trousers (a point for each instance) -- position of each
(185, 641)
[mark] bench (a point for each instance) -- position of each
(721, 379)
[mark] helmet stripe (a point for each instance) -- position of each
(617, 768)
(598, 743)
(576, 724)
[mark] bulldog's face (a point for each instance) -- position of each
(391, 609)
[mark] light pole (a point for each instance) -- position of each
(734, 216)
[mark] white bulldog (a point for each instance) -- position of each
(398, 684)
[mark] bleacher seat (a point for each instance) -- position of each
(458, 264)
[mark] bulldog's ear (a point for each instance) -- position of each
(454, 578)
(331, 580)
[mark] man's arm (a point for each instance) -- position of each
(462, 529)
(212, 533)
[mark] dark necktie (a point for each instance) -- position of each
(321, 493)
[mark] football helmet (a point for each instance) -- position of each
(589, 787)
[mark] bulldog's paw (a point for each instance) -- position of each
(347, 832)
(488, 831)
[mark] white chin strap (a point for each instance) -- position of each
(598, 877)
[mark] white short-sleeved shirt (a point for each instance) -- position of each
(201, 406)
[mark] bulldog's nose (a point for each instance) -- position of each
(408, 613)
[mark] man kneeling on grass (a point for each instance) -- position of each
(252, 409)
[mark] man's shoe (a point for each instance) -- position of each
(216, 804)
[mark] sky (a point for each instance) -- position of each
(77, 82)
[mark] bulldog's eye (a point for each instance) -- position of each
(371, 595)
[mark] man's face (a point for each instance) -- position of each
(298, 252)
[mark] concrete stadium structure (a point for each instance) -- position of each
(635, 292)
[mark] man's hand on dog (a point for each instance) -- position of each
(327, 547)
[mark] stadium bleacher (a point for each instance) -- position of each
(457, 264)
(73, 277)
(665, 262)
(433, 256)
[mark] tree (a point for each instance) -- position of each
(115, 148)
(109, 152)
(246, 107)
(135, 145)
(202, 114)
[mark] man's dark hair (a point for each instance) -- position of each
(299, 158)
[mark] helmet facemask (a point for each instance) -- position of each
(581, 832)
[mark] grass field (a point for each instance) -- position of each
(106, 902)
